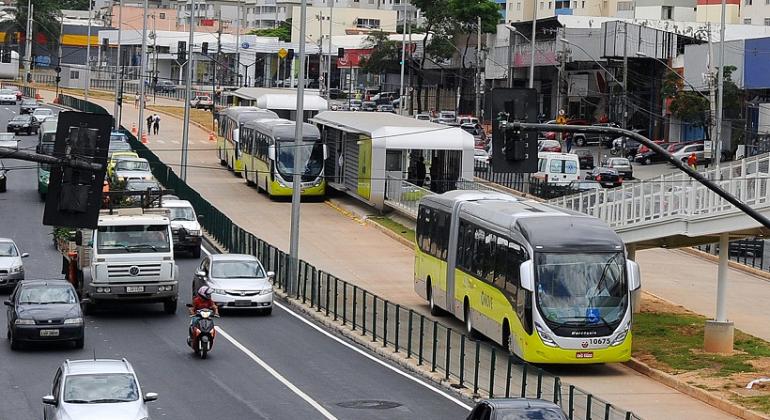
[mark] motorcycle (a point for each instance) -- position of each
(201, 335)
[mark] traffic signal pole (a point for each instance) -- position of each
(11, 153)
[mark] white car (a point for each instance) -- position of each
(131, 168)
(9, 140)
(422, 117)
(184, 226)
(43, 114)
(11, 267)
(7, 97)
(239, 282)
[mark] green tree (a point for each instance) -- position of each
(45, 17)
(385, 56)
(437, 45)
(282, 31)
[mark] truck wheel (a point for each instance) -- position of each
(196, 252)
(580, 141)
(88, 308)
(169, 307)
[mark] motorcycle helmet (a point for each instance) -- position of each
(205, 292)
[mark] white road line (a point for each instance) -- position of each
(367, 355)
(277, 375)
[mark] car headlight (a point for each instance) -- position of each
(17, 269)
(121, 179)
(545, 335)
(266, 291)
(148, 177)
(194, 232)
(622, 335)
(26, 125)
(219, 291)
(24, 322)
(73, 321)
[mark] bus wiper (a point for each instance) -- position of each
(586, 320)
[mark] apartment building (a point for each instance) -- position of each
(754, 12)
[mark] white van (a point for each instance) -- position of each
(557, 168)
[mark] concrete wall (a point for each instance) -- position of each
(131, 18)
(343, 19)
(696, 62)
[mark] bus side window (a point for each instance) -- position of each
(424, 231)
(480, 253)
(490, 243)
(501, 263)
(443, 234)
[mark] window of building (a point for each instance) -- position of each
(74, 74)
(541, 4)
(747, 21)
(667, 12)
(574, 4)
(549, 5)
(518, 6)
(767, 21)
(368, 23)
(160, 15)
(747, 2)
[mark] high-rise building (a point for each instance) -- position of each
(711, 10)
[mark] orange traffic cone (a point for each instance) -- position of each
(211, 136)
(144, 138)
(133, 129)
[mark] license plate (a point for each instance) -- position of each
(49, 333)
(584, 355)
(134, 289)
(242, 303)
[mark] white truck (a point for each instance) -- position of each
(128, 258)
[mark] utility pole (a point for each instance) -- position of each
(293, 280)
(88, 50)
(409, 89)
(118, 62)
(238, 42)
(478, 66)
(59, 56)
(509, 65)
(188, 95)
(532, 53)
(625, 74)
(154, 58)
(717, 155)
(403, 62)
(712, 92)
(562, 63)
(28, 43)
(143, 72)
(320, 17)
(329, 55)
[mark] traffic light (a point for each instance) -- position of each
(75, 195)
(513, 150)
(205, 48)
(181, 51)
(290, 54)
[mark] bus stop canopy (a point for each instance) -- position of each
(288, 101)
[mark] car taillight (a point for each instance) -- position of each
(621, 179)
(598, 177)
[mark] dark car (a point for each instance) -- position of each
(369, 106)
(582, 139)
(23, 124)
(28, 106)
(549, 146)
(335, 93)
(165, 86)
(585, 157)
(44, 310)
(584, 185)
(516, 409)
(608, 177)
(622, 165)
(648, 157)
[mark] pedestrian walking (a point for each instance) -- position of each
(150, 120)
(136, 101)
(156, 124)
(692, 162)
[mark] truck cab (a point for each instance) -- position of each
(185, 228)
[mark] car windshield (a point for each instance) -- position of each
(117, 137)
(8, 249)
(182, 213)
(311, 159)
(142, 185)
(138, 238)
(236, 270)
(41, 295)
(28, 102)
(132, 165)
(119, 145)
(100, 388)
(619, 162)
(529, 413)
(581, 289)
(43, 111)
(22, 118)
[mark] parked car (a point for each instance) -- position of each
(165, 86)
(383, 98)
(447, 117)
(684, 153)
(585, 157)
(467, 119)
(27, 106)
(7, 96)
(622, 165)
(608, 177)
(23, 124)
(648, 157)
(549, 146)
(3, 178)
(481, 156)
(583, 139)
(131, 168)
(335, 93)
(422, 117)
(584, 185)
(96, 389)
(9, 140)
(557, 168)
(202, 102)
(385, 108)
(238, 280)
(11, 265)
(354, 105)
(369, 106)
(43, 114)
(44, 310)
(516, 409)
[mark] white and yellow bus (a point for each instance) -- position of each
(549, 285)
(268, 157)
(228, 141)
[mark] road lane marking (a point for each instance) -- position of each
(276, 375)
(365, 354)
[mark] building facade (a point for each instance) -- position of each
(344, 21)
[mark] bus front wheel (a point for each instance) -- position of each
(467, 317)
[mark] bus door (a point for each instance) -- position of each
(451, 260)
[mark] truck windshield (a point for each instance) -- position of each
(138, 238)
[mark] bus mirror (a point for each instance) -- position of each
(326, 152)
(271, 152)
(527, 274)
(634, 275)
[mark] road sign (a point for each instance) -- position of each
(561, 118)
(245, 45)
(282, 53)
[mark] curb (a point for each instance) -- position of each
(695, 392)
(367, 221)
(732, 264)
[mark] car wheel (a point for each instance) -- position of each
(15, 345)
(80, 343)
(647, 161)
(268, 311)
(580, 141)
(169, 307)
(3, 186)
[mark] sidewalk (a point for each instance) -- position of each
(363, 255)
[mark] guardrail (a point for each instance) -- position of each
(487, 370)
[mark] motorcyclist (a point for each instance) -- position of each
(202, 300)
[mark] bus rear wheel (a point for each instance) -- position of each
(246, 175)
(434, 309)
(467, 317)
(506, 335)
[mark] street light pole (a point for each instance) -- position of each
(625, 74)
(119, 79)
(28, 43)
(717, 154)
(329, 55)
(88, 50)
(293, 280)
(188, 95)
(478, 67)
(143, 71)
(532, 53)
(403, 62)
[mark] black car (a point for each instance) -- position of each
(3, 177)
(584, 186)
(584, 139)
(44, 310)
(142, 185)
(516, 409)
(23, 124)
(608, 177)
(369, 106)
(28, 106)
(649, 157)
(165, 86)
(585, 158)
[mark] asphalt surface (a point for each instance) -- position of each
(276, 367)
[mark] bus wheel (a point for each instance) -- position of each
(221, 159)
(246, 175)
(506, 335)
(434, 310)
(469, 331)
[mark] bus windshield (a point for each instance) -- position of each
(311, 158)
(581, 290)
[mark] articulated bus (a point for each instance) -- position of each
(228, 142)
(268, 157)
(46, 140)
(550, 285)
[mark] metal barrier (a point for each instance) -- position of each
(487, 370)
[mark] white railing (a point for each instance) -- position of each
(676, 195)
(405, 197)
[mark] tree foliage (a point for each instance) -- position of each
(691, 106)
(282, 31)
(45, 17)
(385, 56)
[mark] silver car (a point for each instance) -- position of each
(95, 390)
(238, 280)
(11, 266)
(131, 168)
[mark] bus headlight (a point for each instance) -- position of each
(280, 182)
(545, 336)
(621, 337)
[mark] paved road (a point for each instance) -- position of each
(252, 375)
